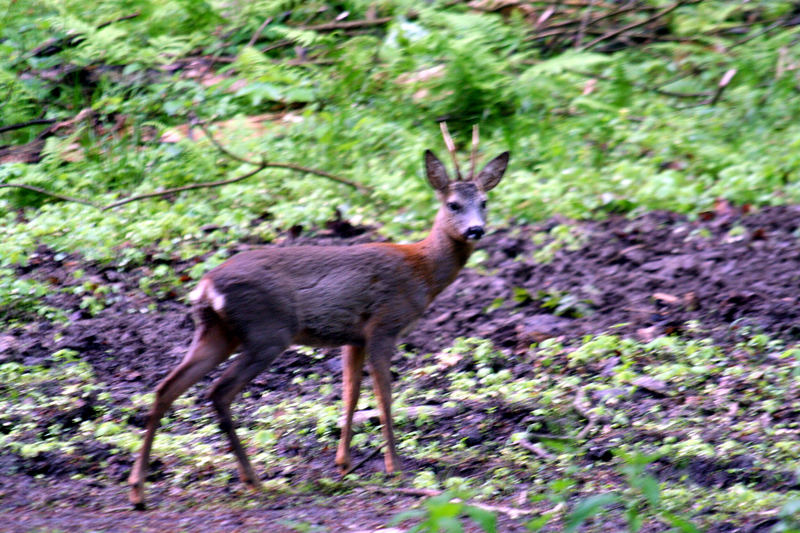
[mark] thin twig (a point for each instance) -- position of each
(549, 436)
(633, 25)
(723, 83)
(257, 33)
(656, 90)
(56, 44)
(577, 404)
(21, 125)
(49, 193)
(584, 23)
(511, 512)
(763, 31)
(292, 166)
(166, 192)
(536, 449)
(347, 25)
(363, 461)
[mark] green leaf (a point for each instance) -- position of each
(567, 60)
(682, 524)
(790, 508)
(587, 508)
(407, 515)
(634, 518)
(538, 523)
(649, 487)
(484, 518)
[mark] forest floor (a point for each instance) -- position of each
(727, 280)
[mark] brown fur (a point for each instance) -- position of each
(359, 297)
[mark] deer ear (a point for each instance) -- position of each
(437, 174)
(493, 172)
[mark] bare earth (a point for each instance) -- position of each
(729, 274)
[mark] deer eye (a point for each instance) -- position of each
(483, 204)
(454, 206)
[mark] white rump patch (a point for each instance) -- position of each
(205, 290)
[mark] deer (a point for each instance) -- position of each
(361, 298)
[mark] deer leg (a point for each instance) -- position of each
(230, 383)
(352, 369)
(380, 364)
(211, 345)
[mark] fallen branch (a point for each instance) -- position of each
(19, 126)
(263, 163)
(257, 33)
(641, 86)
(723, 83)
(204, 185)
(363, 461)
(577, 404)
(511, 512)
(536, 449)
(56, 44)
(51, 194)
(347, 25)
(620, 31)
(166, 192)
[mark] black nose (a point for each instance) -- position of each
(474, 233)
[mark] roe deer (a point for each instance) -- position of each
(361, 297)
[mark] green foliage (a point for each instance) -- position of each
(445, 513)
(617, 146)
(590, 133)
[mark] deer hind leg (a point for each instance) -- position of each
(380, 355)
(252, 361)
(212, 344)
(352, 370)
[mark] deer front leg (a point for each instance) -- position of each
(352, 370)
(380, 354)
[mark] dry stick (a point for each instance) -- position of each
(641, 86)
(49, 193)
(768, 29)
(577, 404)
(347, 25)
(723, 83)
(572, 22)
(648, 20)
(512, 512)
(257, 33)
(21, 125)
(60, 42)
(363, 461)
(584, 23)
(536, 449)
(204, 185)
(363, 189)
(451, 148)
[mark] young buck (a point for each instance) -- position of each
(360, 297)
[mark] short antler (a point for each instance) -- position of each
(473, 158)
(451, 147)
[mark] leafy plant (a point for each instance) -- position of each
(445, 513)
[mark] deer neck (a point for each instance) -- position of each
(444, 256)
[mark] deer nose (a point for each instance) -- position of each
(474, 233)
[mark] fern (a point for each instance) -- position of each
(305, 38)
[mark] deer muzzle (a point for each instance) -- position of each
(474, 233)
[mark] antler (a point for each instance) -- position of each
(451, 147)
(473, 158)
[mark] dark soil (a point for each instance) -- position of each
(728, 273)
